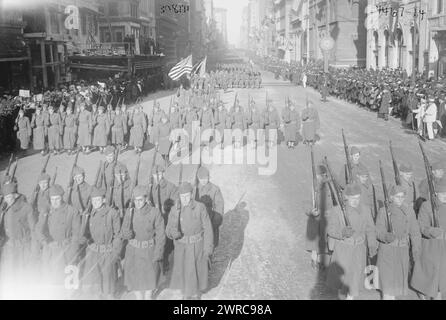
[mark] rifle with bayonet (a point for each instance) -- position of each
(71, 182)
(151, 177)
(8, 168)
(134, 184)
(337, 192)
(37, 187)
(314, 185)
(348, 166)
(430, 183)
(113, 179)
(53, 178)
(386, 199)
(395, 166)
(11, 178)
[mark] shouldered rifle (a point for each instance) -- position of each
(315, 187)
(348, 167)
(9, 166)
(37, 187)
(113, 179)
(11, 179)
(153, 112)
(386, 198)
(338, 193)
(53, 178)
(430, 182)
(134, 184)
(395, 166)
(375, 204)
(71, 180)
(87, 211)
(151, 177)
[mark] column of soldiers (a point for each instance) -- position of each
(115, 228)
(403, 234)
(418, 102)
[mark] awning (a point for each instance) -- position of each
(12, 47)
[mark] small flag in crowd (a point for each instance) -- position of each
(182, 67)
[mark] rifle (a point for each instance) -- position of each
(338, 193)
(314, 181)
(37, 188)
(134, 184)
(375, 204)
(386, 198)
(153, 112)
(430, 182)
(348, 167)
(151, 177)
(112, 186)
(53, 178)
(11, 179)
(71, 180)
(86, 213)
(395, 166)
(9, 166)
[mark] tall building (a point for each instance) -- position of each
(220, 18)
(167, 30)
(436, 11)
(15, 58)
(299, 31)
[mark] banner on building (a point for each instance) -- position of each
(24, 93)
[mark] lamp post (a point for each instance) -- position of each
(327, 43)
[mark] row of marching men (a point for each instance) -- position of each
(402, 238)
(114, 229)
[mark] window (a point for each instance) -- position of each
(113, 9)
(134, 10)
(439, 6)
(54, 22)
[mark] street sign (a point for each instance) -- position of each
(326, 43)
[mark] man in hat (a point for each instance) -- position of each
(138, 125)
(143, 227)
(17, 223)
(163, 143)
(101, 129)
(81, 190)
(316, 237)
(272, 122)
(291, 119)
(363, 179)
(210, 195)
(396, 241)
(58, 230)
(352, 239)
(85, 129)
(408, 183)
(118, 125)
(386, 99)
(191, 229)
(357, 167)
(23, 130)
(70, 131)
(55, 131)
(162, 195)
(104, 241)
(429, 274)
(420, 111)
(109, 167)
(122, 189)
(430, 117)
(310, 123)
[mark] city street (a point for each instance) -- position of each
(262, 240)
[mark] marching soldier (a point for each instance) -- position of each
(81, 190)
(238, 122)
(143, 227)
(291, 120)
(17, 223)
(222, 121)
(346, 270)
(176, 124)
(254, 123)
(393, 254)
(70, 131)
(23, 130)
(163, 143)
(429, 274)
(122, 189)
(104, 247)
(357, 167)
(207, 123)
(109, 166)
(138, 125)
(155, 121)
(101, 129)
(85, 129)
(438, 169)
(58, 230)
(272, 122)
(162, 195)
(386, 99)
(39, 123)
(408, 183)
(118, 128)
(191, 229)
(210, 195)
(310, 123)
(55, 131)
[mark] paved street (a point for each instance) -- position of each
(262, 239)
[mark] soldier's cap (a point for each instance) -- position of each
(203, 173)
(56, 190)
(439, 165)
(441, 185)
(158, 168)
(395, 189)
(101, 107)
(78, 171)
(97, 192)
(363, 171)
(9, 188)
(185, 187)
(321, 169)
(354, 150)
(432, 99)
(44, 177)
(120, 168)
(109, 150)
(140, 191)
(406, 167)
(352, 189)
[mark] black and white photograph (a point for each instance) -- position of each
(207, 151)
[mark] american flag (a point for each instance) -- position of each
(182, 67)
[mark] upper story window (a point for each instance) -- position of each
(113, 9)
(440, 6)
(134, 10)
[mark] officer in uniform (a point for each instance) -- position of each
(291, 119)
(81, 190)
(39, 123)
